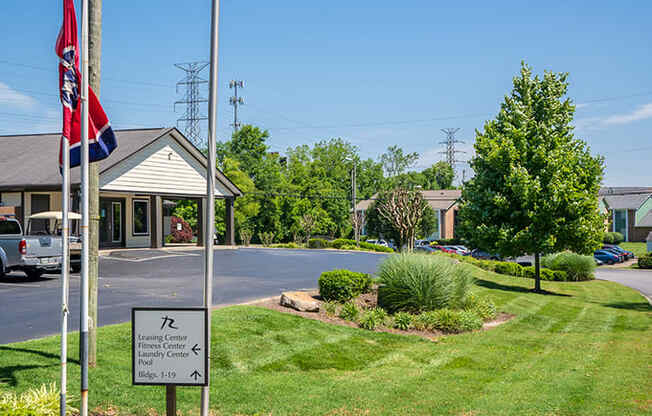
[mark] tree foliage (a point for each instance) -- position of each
(535, 188)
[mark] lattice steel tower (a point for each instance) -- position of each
(450, 146)
(192, 100)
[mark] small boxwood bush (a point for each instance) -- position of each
(613, 238)
(342, 285)
(482, 306)
(645, 262)
(285, 245)
(576, 266)
(318, 243)
(546, 274)
(417, 283)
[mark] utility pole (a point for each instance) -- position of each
(192, 100)
(450, 142)
(355, 200)
(235, 101)
(94, 72)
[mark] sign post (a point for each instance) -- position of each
(169, 348)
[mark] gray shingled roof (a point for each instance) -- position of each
(627, 201)
(32, 161)
(623, 190)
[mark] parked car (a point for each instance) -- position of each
(379, 242)
(419, 243)
(31, 254)
(465, 251)
(483, 255)
(425, 249)
(458, 250)
(621, 256)
(606, 256)
(628, 254)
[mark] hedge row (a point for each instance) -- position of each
(613, 238)
(513, 269)
(347, 244)
(645, 262)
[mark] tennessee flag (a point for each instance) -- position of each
(101, 139)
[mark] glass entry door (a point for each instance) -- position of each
(112, 222)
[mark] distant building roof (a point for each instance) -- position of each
(31, 161)
(439, 199)
(625, 201)
(646, 221)
(624, 190)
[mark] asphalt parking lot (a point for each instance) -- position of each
(129, 278)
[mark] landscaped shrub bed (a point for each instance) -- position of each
(342, 285)
(576, 266)
(645, 262)
(613, 238)
(318, 243)
(415, 292)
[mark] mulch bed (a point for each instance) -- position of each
(366, 301)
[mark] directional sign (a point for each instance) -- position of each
(169, 346)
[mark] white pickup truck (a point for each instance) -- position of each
(32, 254)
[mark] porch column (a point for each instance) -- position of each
(229, 234)
(156, 221)
(200, 221)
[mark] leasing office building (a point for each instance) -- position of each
(149, 167)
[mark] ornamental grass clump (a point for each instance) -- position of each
(416, 283)
(43, 401)
(576, 266)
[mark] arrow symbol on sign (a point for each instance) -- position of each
(195, 349)
(195, 374)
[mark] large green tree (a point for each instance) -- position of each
(395, 161)
(439, 176)
(535, 188)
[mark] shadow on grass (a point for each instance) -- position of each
(7, 373)
(36, 352)
(632, 306)
(493, 285)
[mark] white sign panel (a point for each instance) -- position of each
(169, 346)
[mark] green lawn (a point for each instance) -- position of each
(585, 351)
(639, 249)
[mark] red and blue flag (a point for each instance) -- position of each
(101, 139)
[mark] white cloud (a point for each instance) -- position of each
(12, 97)
(641, 113)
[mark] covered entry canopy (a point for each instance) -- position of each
(147, 166)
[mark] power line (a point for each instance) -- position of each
(235, 101)
(450, 143)
(192, 101)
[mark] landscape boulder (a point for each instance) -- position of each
(300, 301)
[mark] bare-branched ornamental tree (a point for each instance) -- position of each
(358, 222)
(403, 209)
(308, 223)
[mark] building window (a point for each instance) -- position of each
(620, 222)
(141, 217)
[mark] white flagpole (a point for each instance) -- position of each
(65, 269)
(83, 326)
(210, 192)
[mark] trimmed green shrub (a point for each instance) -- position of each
(342, 285)
(469, 321)
(43, 401)
(559, 276)
(417, 283)
(285, 245)
(349, 312)
(445, 320)
(546, 274)
(338, 243)
(330, 308)
(508, 268)
(613, 238)
(576, 266)
(375, 247)
(318, 243)
(645, 262)
(347, 244)
(349, 247)
(403, 321)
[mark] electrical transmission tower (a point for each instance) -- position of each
(235, 101)
(450, 147)
(192, 100)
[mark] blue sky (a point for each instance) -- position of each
(376, 73)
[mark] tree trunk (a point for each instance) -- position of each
(94, 67)
(537, 273)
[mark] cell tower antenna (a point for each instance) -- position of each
(192, 99)
(236, 101)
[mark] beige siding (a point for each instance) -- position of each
(163, 167)
(11, 199)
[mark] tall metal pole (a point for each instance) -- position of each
(83, 325)
(210, 192)
(65, 270)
